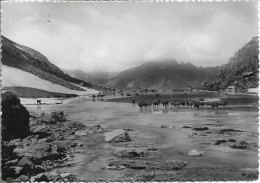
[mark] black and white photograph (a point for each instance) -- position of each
(129, 91)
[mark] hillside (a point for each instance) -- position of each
(30, 74)
(32, 61)
(241, 70)
(162, 75)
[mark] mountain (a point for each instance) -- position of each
(94, 77)
(162, 75)
(241, 70)
(32, 66)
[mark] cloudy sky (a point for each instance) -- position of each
(114, 36)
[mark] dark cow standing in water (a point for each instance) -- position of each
(156, 103)
(39, 102)
(165, 103)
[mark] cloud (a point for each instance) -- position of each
(116, 36)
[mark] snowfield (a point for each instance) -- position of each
(16, 77)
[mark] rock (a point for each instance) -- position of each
(229, 130)
(15, 117)
(167, 126)
(60, 147)
(200, 128)
(41, 128)
(81, 133)
(47, 177)
(231, 140)
(9, 179)
(129, 130)
(243, 143)
(186, 127)
(38, 152)
(194, 153)
(43, 140)
(15, 171)
(218, 142)
(53, 118)
(118, 135)
(238, 147)
(152, 165)
(22, 178)
(93, 129)
(68, 177)
(26, 163)
(11, 162)
(77, 125)
(115, 168)
(130, 153)
(38, 169)
(42, 131)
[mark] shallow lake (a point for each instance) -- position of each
(174, 143)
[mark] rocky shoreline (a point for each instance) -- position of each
(34, 146)
(48, 146)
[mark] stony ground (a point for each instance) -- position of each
(49, 147)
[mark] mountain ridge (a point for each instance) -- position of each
(32, 61)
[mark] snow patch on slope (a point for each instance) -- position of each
(16, 77)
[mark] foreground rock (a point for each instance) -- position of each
(54, 176)
(53, 118)
(15, 117)
(117, 135)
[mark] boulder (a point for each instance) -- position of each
(42, 131)
(93, 129)
(229, 130)
(54, 176)
(38, 169)
(118, 135)
(195, 153)
(15, 171)
(26, 163)
(130, 153)
(15, 117)
(53, 118)
(74, 124)
(152, 165)
(47, 177)
(167, 126)
(38, 152)
(81, 133)
(200, 128)
(22, 178)
(68, 177)
(231, 140)
(218, 142)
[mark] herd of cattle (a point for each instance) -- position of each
(181, 103)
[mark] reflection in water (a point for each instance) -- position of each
(165, 110)
(39, 106)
